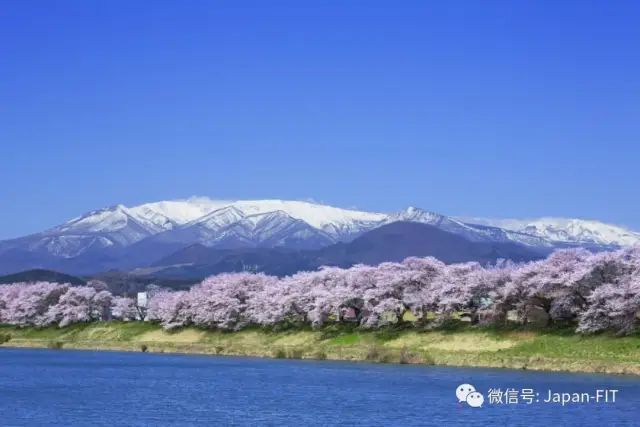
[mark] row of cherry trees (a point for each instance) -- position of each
(597, 291)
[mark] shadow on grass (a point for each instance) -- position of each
(335, 330)
(332, 331)
(391, 332)
(455, 326)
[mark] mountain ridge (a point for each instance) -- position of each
(127, 237)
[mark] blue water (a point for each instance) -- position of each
(81, 388)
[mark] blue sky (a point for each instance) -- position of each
(497, 109)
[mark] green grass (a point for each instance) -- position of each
(4, 337)
(575, 347)
(112, 331)
(348, 339)
(454, 344)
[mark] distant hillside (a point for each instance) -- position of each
(399, 240)
(40, 275)
(201, 261)
(119, 283)
(198, 254)
(392, 242)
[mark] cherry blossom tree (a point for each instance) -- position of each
(79, 304)
(287, 300)
(559, 286)
(324, 294)
(510, 292)
(170, 308)
(224, 301)
(123, 308)
(501, 292)
(459, 288)
(420, 294)
(613, 307)
(384, 294)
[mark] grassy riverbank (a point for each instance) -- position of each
(461, 345)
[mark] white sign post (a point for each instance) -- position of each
(141, 305)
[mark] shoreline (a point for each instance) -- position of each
(470, 347)
(550, 365)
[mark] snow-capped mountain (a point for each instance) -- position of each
(565, 230)
(133, 224)
(201, 220)
(473, 232)
(280, 223)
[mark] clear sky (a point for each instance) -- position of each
(484, 108)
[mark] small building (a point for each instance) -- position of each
(350, 315)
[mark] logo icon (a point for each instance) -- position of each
(467, 393)
(475, 399)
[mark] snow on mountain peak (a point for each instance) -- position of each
(566, 230)
(278, 221)
(156, 217)
(109, 218)
(415, 214)
(195, 208)
(318, 216)
(162, 216)
(182, 211)
(219, 217)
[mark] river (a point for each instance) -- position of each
(83, 388)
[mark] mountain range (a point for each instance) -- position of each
(201, 236)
